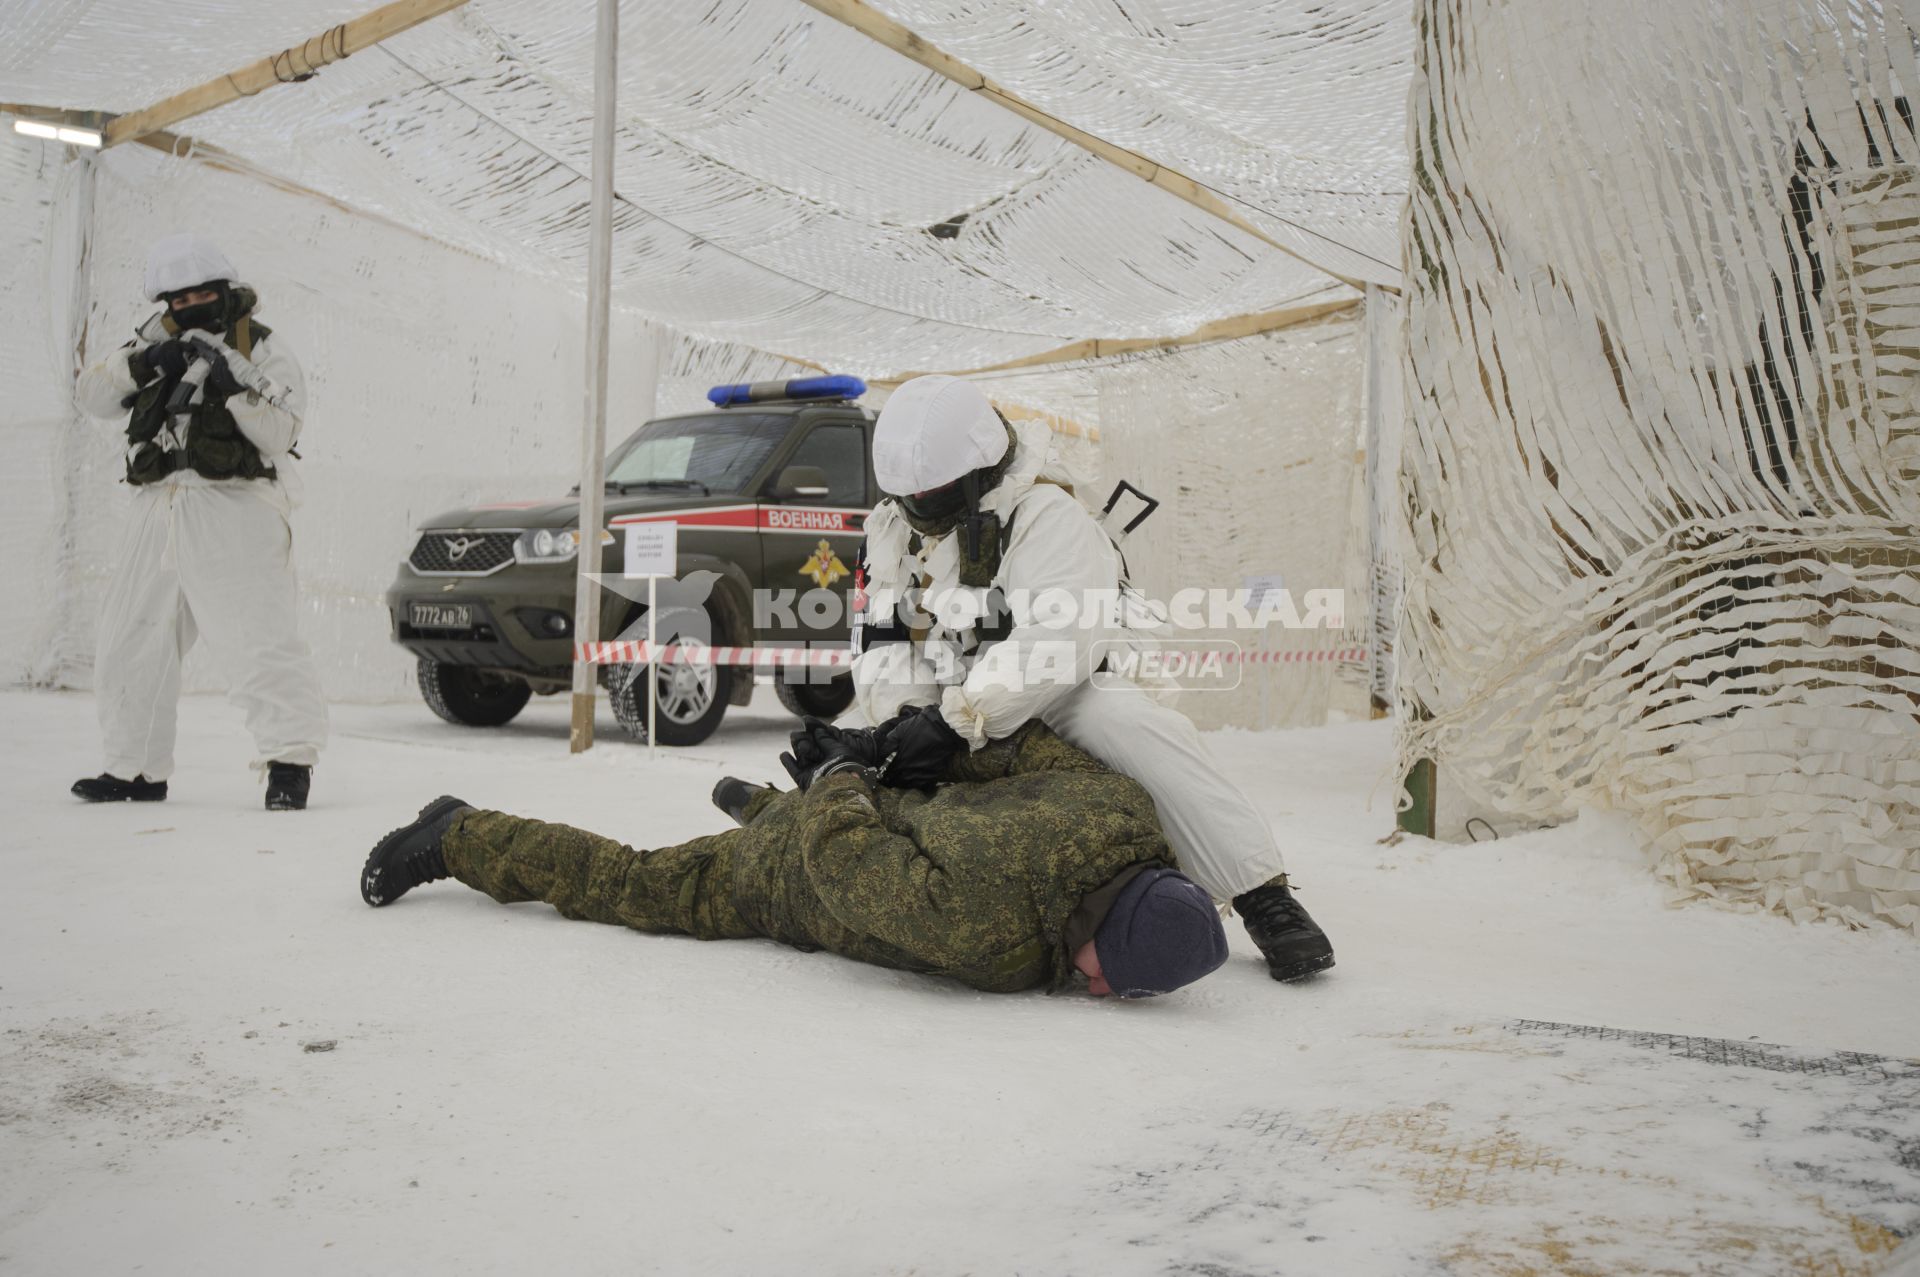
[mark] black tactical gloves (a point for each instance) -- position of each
(908, 751)
(820, 749)
(220, 378)
(920, 744)
(167, 358)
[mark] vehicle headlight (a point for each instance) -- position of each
(547, 545)
(551, 545)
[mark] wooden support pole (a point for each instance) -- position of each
(1380, 464)
(904, 41)
(593, 442)
(285, 67)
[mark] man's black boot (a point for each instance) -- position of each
(410, 855)
(287, 786)
(1292, 941)
(111, 789)
(732, 795)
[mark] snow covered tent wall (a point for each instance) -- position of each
(1660, 469)
(786, 186)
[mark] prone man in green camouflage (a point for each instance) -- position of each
(1030, 861)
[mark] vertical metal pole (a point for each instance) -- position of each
(653, 665)
(593, 445)
(1263, 645)
(1381, 454)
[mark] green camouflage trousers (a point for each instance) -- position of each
(975, 880)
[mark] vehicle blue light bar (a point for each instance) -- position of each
(837, 387)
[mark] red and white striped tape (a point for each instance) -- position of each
(1344, 655)
(635, 653)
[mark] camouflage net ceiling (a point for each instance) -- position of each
(780, 175)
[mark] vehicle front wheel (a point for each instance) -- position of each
(693, 700)
(825, 701)
(470, 697)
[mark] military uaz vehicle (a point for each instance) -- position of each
(770, 489)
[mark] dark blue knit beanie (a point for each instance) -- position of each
(1162, 932)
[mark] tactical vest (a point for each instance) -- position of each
(980, 633)
(977, 635)
(215, 447)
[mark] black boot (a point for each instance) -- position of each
(287, 786)
(1292, 941)
(732, 795)
(111, 789)
(410, 855)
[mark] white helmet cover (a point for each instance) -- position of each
(181, 261)
(932, 431)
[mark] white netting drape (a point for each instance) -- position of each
(1253, 447)
(779, 175)
(1277, 106)
(1255, 450)
(1663, 338)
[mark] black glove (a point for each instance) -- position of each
(220, 378)
(921, 744)
(167, 358)
(820, 749)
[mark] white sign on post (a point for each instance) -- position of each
(652, 550)
(1260, 587)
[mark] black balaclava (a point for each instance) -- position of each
(213, 317)
(957, 505)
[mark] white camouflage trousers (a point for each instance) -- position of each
(212, 561)
(1222, 842)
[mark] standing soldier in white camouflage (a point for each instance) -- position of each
(974, 507)
(213, 403)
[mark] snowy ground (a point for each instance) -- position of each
(510, 1092)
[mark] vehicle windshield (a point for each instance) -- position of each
(718, 452)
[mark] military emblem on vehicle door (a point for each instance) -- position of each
(825, 566)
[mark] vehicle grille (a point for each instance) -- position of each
(480, 552)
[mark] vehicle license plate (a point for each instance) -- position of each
(440, 616)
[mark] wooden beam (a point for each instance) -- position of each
(285, 67)
(904, 41)
(1230, 329)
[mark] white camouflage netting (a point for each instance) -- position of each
(1662, 341)
(777, 172)
(1251, 448)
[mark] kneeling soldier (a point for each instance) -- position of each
(1032, 862)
